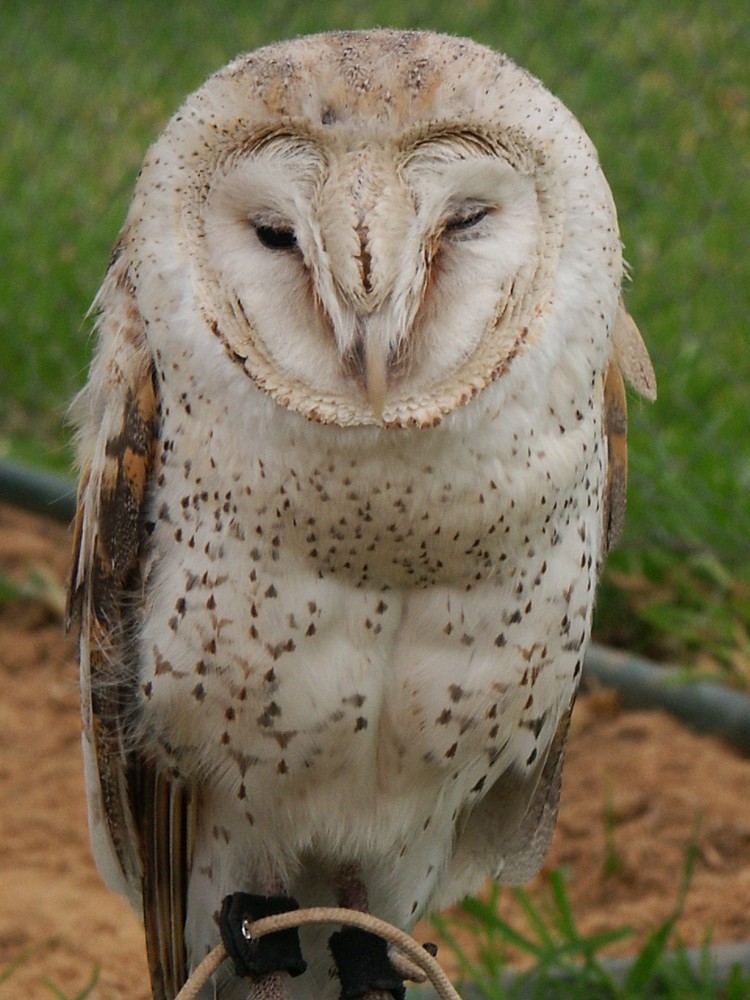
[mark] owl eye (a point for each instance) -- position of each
(276, 238)
(466, 219)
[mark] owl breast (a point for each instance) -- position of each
(363, 602)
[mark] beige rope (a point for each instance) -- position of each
(404, 942)
(202, 973)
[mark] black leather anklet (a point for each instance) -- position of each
(363, 965)
(277, 952)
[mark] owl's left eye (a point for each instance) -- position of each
(466, 219)
(276, 238)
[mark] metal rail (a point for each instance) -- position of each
(37, 491)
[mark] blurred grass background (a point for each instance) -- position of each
(664, 92)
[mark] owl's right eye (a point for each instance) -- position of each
(276, 238)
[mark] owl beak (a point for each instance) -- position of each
(376, 375)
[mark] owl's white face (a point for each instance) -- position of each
(352, 266)
(371, 258)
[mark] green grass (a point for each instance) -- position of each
(662, 89)
(568, 965)
(7, 972)
(87, 993)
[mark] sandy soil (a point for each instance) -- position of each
(636, 784)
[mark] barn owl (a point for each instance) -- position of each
(352, 451)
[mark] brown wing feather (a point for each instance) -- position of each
(616, 430)
(630, 361)
(631, 355)
(165, 845)
(139, 819)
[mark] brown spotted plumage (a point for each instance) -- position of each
(353, 449)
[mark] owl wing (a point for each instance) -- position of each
(139, 819)
(630, 363)
(524, 853)
(529, 803)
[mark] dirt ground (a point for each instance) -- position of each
(635, 785)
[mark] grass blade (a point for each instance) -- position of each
(82, 994)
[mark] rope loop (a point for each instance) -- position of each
(417, 964)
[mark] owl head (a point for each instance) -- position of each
(376, 225)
